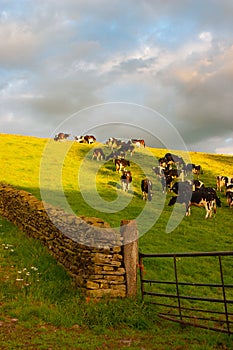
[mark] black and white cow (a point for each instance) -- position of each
(223, 181)
(126, 180)
(113, 143)
(173, 160)
(121, 164)
(85, 139)
(98, 154)
(206, 198)
(61, 136)
(193, 168)
(169, 177)
(229, 195)
(146, 187)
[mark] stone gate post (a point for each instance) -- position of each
(129, 233)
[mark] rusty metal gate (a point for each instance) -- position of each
(201, 304)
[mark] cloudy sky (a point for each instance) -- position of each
(175, 57)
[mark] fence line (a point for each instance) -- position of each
(204, 317)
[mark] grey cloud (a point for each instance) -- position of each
(74, 54)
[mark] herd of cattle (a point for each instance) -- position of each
(172, 172)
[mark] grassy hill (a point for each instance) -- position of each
(63, 173)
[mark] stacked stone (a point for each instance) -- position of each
(87, 247)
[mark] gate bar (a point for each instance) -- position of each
(224, 293)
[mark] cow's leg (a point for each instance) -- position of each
(208, 210)
(188, 210)
(214, 207)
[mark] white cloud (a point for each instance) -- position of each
(176, 57)
(206, 36)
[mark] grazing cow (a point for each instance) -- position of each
(223, 181)
(85, 139)
(115, 154)
(138, 142)
(113, 142)
(192, 168)
(79, 139)
(169, 176)
(146, 187)
(229, 195)
(203, 198)
(90, 139)
(170, 158)
(197, 170)
(126, 147)
(98, 154)
(126, 179)
(61, 136)
(121, 164)
(174, 173)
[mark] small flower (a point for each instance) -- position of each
(34, 268)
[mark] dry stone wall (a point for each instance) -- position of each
(87, 247)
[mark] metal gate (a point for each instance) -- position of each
(202, 304)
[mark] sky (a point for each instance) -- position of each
(133, 68)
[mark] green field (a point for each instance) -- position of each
(64, 174)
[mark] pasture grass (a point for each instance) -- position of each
(44, 310)
(37, 291)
